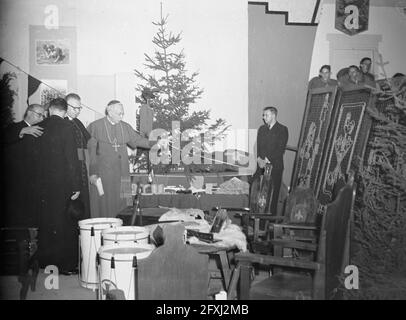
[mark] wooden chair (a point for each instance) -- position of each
(18, 256)
(256, 218)
(305, 279)
(299, 214)
(301, 222)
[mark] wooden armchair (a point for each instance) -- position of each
(18, 249)
(299, 221)
(304, 279)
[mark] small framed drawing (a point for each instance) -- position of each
(52, 52)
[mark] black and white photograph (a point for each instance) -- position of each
(52, 52)
(174, 151)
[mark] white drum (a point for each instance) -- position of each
(125, 235)
(118, 268)
(89, 244)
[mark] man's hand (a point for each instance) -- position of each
(75, 195)
(35, 131)
(93, 178)
(261, 163)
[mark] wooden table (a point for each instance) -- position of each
(153, 206)
(225, 257)
(186, 201)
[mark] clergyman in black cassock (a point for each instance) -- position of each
(58, 179)
(19, 182)
(82, 136)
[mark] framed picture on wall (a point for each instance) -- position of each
(52, 52)
(51, 89)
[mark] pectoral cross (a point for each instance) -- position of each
(115, 145)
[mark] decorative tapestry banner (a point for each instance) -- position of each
(348, 143)
(314, 136)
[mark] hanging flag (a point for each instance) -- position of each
(33, 84)
(352, 16)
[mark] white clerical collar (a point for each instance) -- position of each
(270, 126)
(112, 123)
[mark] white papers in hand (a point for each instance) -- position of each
(99, 186)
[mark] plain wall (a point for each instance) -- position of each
(279, 63)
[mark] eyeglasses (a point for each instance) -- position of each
(38, 114)
(76, 108)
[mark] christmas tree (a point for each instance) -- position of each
(175, 90)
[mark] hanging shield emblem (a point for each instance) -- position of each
(352, 16)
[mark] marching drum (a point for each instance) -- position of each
(125, 235)
(117, 268)
(89, 244)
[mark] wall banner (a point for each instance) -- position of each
(352, 16)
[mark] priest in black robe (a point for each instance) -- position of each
(59, 181)
(19, 157)
(82, 136)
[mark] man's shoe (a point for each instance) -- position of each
(65, 272)
(69, 273)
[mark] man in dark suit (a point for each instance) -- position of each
(82, 136)
(59, 181)
(271, 143)
(19, 158)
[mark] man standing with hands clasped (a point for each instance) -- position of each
(271, 143)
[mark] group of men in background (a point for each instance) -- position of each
(347, 78)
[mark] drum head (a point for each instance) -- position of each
(100, 223)
(128, 233)
(125, 252)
